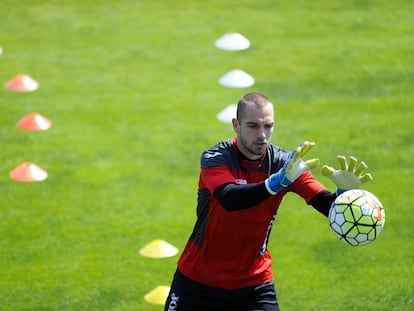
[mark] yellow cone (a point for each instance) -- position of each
(158, 295)
(158, 249)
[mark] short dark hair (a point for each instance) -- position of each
(257, 99)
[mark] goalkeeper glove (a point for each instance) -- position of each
(348, 176)
(292, 169)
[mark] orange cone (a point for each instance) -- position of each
(34, 122)
(28, 172)
(22, 83)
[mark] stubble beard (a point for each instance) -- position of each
(253, 151)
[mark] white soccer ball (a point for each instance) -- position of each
(357, 217)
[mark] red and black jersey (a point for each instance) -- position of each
(228, 246)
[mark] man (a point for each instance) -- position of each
(226, 264)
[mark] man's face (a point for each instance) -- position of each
(254, 130)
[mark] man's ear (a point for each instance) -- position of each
(236, 125)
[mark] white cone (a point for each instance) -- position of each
(237, 79)
(232, 41)
(227, 114)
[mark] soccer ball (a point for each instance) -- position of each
(357, 217)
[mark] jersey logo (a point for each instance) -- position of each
(212, 155)
(241, 181)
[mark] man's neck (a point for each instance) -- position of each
(246, 159)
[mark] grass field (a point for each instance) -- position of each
(131, 88)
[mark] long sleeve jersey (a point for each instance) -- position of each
(235, 213)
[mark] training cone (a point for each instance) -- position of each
(227, 114)
(236, 79)
(22, 83)
(34, 122)
(28, 172)
(232, 41)
(158, 295)
(158, 249)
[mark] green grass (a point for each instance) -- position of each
(131, 88)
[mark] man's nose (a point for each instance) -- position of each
(261, 133)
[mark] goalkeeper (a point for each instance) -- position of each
(226, 264)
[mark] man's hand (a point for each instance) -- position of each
(292, 169)
(349, 175)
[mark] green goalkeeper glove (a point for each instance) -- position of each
(292, 169)
(348, 176)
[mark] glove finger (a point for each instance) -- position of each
(293, 154)
(366, 178)
(293, 161)
(360, 168)
(293, 157)
(298, 149)
(351, 163)
(307, 146)
(327, 170)
(302, 149)
(342, 162)
(312, 163)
